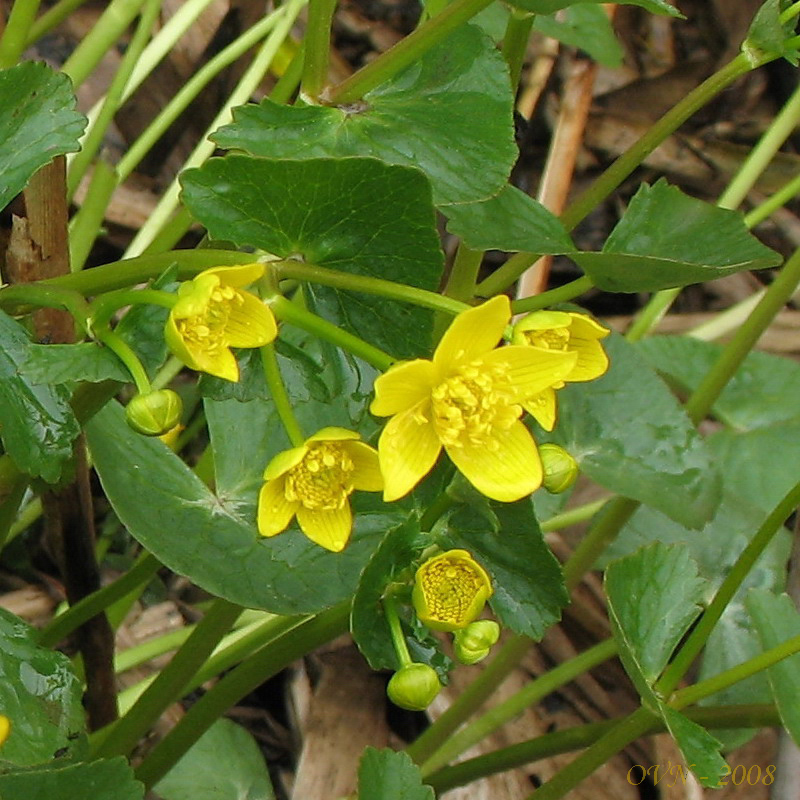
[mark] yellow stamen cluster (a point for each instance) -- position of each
(323, 480)
(207, 329)
(548, 339)
(472, 404)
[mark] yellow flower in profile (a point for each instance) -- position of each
(5, 728)
(467, 400)
(213, 314)
(566, 332)
(314, 482)
(450, 590)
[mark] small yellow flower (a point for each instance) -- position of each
(314, 482)
(212, 315)
(467, 400)
(566, 332)
(450, 590)
(5, 728)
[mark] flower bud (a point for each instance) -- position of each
(450, 590)
(560, 468)
(154, 414)
(473, 643)
(414, 686)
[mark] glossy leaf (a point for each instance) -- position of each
(213, 540)
(62, 363)
(38, 122)
(106, 779)
(551, 6)
(587, 27)
(450, 115)
(629, 434)
(390, 775)
(509, 221)
(356, 215)
(768, 35)
(37, 425)
(699, 748)
(225, 763)
(41, 696)
(653, 596)
(666, 239)
(506, 540)
(776, 620)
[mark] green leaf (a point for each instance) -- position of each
(213, 539)
(509, 221)
(585, 26)
(37, 425)
(767, 35)
(41, 696)
(356, 215)
(629, 434)
(667, 239)
(699, 748)
(38, 122)
(107, 779)
(551, 6)
(654, 596)
(776, 620)
(450, 115)
(763, 390)
(63, 363)
(225, 763)
(506, 540)
(390, 775)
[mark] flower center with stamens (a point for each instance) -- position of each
(472, 405)
(450, 589)
(323, 479)
(549, 338)
(206, 330)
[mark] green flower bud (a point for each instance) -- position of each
(473, 643)
(154, 414)
(413, 687)
(560, 468)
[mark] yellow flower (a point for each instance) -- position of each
(314, 482)
(466, 399)
(566, 332)
(450, 590)
(212, 315)
(5, 728)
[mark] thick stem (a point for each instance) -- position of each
(277, 388)
(15, 36)
(317, 47)
(515, 42)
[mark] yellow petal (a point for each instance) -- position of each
(366, 467)
(250, 324)
(530, 370)
(284, 461)
(473, 333)
(275, 512)
(584, 334)
(176, 342)
(237, 276)
(542, 407)
(407, 450)
(329, 529)
(333, 434)
(402, 386)
(510, 472)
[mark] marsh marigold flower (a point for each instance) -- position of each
(5, 728)
(314, 483)
(565, 332)
(450, 590)
(213, 314)
(467, 400)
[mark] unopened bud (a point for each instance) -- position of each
(473, 643)
(154, 414)
(560, 468)
(414, 686)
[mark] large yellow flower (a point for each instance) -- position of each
(212, 315)
(314, 482)
(466, 399)
(567, 332)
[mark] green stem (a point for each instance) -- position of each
(51, 18)
(236, 684)
(17, 297)
(125, 353)
(171, 682)
(91, 605)
(86, 224)
(572, 516)
(733, 580)
(277, 388)
(464, 274)
(779, 199)
(561, 294)
(396, 632)
(652, 314)
(515, 42)
(287, 311)
(317, 47)
(406, 52)
(528, 696)
(13, 489)
(581, 736)
(287, 84)
(15, 36)
(300, 271)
